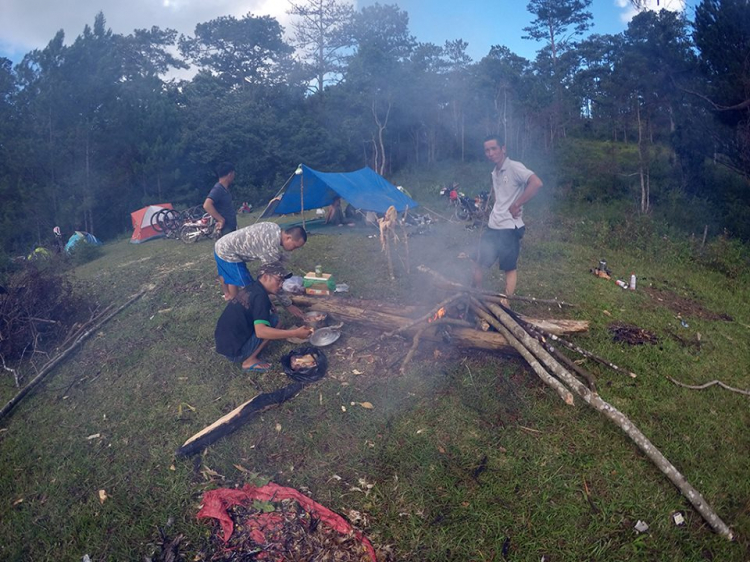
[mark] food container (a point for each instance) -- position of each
(322, 285)
(315, 319)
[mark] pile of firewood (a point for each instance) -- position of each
(536, 341)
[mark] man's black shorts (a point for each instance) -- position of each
(502, 246)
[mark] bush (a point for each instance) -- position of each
(37, 311)
(84, 253)
(726, 255)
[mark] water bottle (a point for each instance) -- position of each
(632, 281)
(621, 283)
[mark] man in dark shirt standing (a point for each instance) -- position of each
(219, 203)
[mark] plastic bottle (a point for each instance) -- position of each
(621, 283)
(632, 281)
(319, 271)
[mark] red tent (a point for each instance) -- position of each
(142, 229)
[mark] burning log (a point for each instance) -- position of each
(386, 317)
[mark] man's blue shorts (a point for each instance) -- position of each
(233, 273)
(252, 344)
(502, 246)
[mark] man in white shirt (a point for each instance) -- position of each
(512, 186)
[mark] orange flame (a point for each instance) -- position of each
(438, 315)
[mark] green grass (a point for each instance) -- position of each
(466, 452)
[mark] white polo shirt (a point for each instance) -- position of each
(508, 183)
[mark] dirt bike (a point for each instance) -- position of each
(471, 209)
(196, 229)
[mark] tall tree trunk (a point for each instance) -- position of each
(51, 153)
(463, 136)
(381, 124)
(643, 163)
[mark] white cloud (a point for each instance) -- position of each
(629, 12)
(30, 24)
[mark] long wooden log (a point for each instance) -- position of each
(538, 368)
(387, 318)
(234, 419)
(315, 303)
(622, 421)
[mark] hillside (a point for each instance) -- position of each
(467, 456)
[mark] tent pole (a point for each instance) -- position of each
(302, 198)
(283, 187)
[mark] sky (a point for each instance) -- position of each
(30, 24)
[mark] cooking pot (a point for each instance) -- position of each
(315, 319)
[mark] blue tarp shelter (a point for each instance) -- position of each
(79, 236)
(365, 189)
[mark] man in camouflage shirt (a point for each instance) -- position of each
(264, 242)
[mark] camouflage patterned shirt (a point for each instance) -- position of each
(260, 241)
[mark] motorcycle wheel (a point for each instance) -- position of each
(190, 234)
(462, 214)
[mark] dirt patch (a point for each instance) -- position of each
(630, 334)
(683, 306)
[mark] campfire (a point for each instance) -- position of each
(438, 315)
(538, 342)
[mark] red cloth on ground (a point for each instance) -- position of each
(216, 503)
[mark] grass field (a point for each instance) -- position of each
(467, 456)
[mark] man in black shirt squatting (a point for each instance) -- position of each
(249, 322)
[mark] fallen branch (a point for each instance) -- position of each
(413, 348)
(709, 384)
(62, 355)
(236, 418)
(627, 426)
(541, 372)
(16, 378)
(573, 347)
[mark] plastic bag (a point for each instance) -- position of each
(294, 285)
(309, 374)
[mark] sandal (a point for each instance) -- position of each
(258, 367)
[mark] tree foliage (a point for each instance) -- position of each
(92, 129)
(322, 35)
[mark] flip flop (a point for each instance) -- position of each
(257, 367)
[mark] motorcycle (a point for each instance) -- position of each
(472, 209)
(194, 230)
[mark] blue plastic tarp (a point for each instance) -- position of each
(365, 189)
